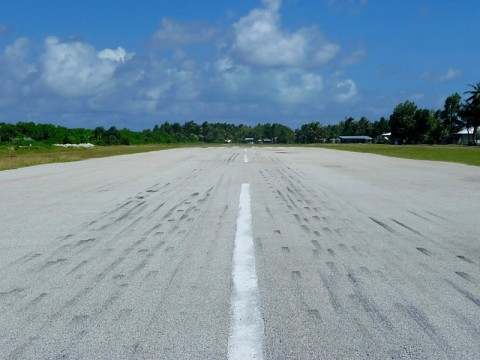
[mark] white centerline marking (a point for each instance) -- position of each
(245, 157)
(246, 325)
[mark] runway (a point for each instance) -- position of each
(132, 257)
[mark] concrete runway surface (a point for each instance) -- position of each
(353, 256)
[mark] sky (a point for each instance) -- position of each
(135, 64)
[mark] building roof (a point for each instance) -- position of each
(362, 137)
(464, 131)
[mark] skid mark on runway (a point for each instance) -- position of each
(424, 323)
(123, 314)
(385, 226)
(317, 246)
(84, 242)
(52, 263)
(464, 258)
(332, 296)
(12, 295)
(312, 313)
(406, 227)
(371, 308)
(269, 212)
(467, 294)
(420, 216)
(151, 274)
(424, 251)
(99, 277)
(78, 267)
(66, 237)
(464, 275)
(438, 216)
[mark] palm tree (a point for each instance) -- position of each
(472, 108)
(474, 94)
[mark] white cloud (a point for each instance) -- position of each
(298, 87)
(13, 62)
(77, 68)
(260, 41)
(174, 34)
(451, 74)
(16, 73)
(347, 91)
(261, 71)
(281, 86)
(118, 55)
(355, 56)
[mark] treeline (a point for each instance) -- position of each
(407, 124)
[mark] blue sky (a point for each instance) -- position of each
(139, 63)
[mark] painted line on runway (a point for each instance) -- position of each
(245, 340)
(245, 157)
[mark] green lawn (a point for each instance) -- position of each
(469, 155)
(11, 158)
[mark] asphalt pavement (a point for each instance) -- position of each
(147, 256)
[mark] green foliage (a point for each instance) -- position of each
(402, 122)
(470, 110)
(455, 154)
(450, 118)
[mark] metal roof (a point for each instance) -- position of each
(356, 137)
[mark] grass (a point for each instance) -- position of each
(13, 158)
(469, 155)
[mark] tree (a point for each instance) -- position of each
(310, 133)
(449, 116)
(99, 135)
(380, 127)
(472, 108)
(348, 127)
(425, 123)
(402, 122)
(364, 127)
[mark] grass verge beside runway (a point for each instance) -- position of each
(13, 158)
(457, 154)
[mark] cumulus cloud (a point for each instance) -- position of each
(355, 56)
(261, 41)
(13, 61)
(174, 34)
(16, 73)
(77, 68)
(261, 71)
(282, 86)
(451, 74)
(346, 91)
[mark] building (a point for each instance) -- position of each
(355, 139)
(249, 140)
(462, 136)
